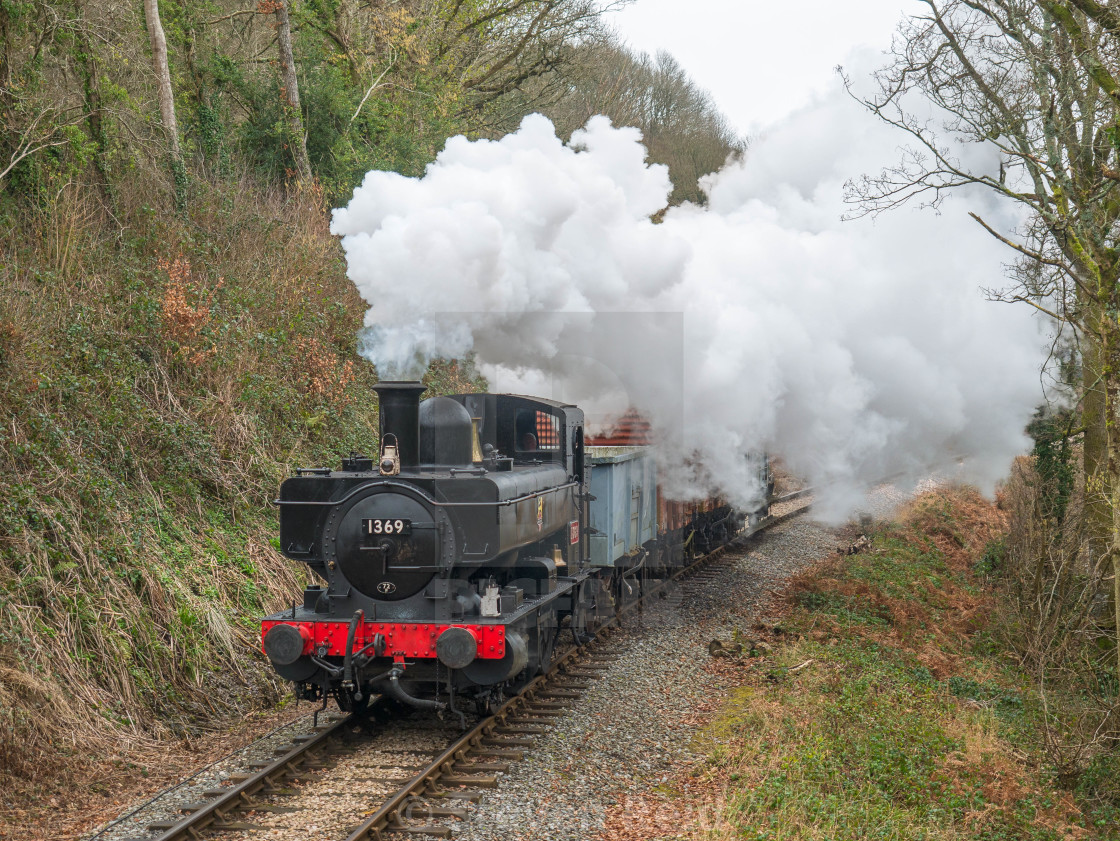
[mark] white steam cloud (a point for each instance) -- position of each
(853, 349)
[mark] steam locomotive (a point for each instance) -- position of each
(447, 568)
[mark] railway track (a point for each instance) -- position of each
(380, 774)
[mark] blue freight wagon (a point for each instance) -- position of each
(624, 508)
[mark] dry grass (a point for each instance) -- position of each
(1055, 615)
(124, 773)
(323, 373)
(933, 615)
(184, 322)
(959, 521)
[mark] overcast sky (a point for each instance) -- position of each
(761, 60)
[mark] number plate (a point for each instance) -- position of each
(386, 526)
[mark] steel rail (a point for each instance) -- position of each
(239, 796)
(792, 495)
(388, 815)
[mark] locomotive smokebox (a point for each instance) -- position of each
(399, 414)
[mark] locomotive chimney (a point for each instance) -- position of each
(400, 416)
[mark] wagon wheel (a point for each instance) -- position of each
(594, 608)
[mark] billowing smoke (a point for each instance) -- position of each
(854, 350)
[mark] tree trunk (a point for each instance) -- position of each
(1095, 454)
(163, 75)
(91, 90)
(1111, 379)
(5, 61)
(289, 89)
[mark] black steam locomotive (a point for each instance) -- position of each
(449, 564)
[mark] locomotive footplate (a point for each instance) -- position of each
(327, 637)
(410, 639)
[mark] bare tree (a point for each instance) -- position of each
(509, 43)
(289, 90)
(158, 42)
(36, 113)
(490, 47)
(45, 130)
(681, 125)
(90, 75)
(1034, 82)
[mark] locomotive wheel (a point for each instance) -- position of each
(544, 649)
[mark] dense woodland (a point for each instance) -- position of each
(177, 332)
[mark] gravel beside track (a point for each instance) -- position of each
(330, 803)
(631, 730)
(327, 802)
(165, 806)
